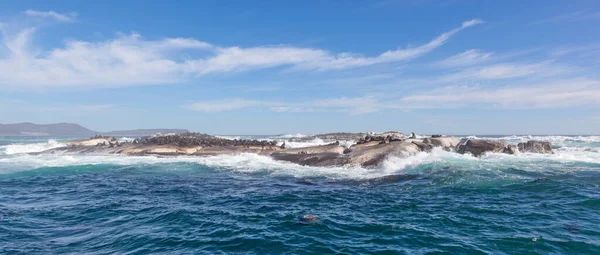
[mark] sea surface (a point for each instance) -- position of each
(429, 203)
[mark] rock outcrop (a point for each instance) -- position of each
(382, 138)
(197, 139)
(478, 147)
(446, 142)
(370, 150)
(373, 155)
(536, 147)
(329, 137)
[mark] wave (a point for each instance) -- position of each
(437, 160)
(555, 139)
(21, 148)
(287, 136)
(242, 163)
(125, 139)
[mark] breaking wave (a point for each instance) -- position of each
(125, 139)
(21, 148)
(586, 151)
(556, 140)
(436, 160)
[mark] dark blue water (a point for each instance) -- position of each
(427, 204)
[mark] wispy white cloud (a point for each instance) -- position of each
(131, 60)
(570, 17)
(69, 17)
(591, 48)
(467, 58)
(510, 70)
(236, 58)
(559, 94)
(127, 60)
(227, 105)
(352, 105)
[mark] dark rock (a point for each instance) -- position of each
(478, 147)
(511, 149)
(282, 146)
(197, 139)
(374, 154)
(536, 147)
(100, 137)
(330, 137)
(436, 136)
(423, 146)
(313, 159)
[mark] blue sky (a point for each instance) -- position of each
(270, 67)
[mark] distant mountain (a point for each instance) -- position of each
(59, 129)
(71, 129)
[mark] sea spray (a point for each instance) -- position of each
(21, 148)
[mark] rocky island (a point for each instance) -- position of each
(368, 149)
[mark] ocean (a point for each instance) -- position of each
(430, 203)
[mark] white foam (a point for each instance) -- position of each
(29, 147)
(16, 160)
(246, 163)
(289, 136)
(555, 139)
(125, 139)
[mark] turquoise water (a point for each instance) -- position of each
(436, 202)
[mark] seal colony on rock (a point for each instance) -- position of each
(369, 150)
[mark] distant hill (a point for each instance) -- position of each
(71, 129)
(59, 129)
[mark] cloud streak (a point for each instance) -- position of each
(352, 106)
(70, 17)
(559, 94)
(510, 70)
(467, 58)
(130, 60)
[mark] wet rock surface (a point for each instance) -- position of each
(536, 147)
(478, 147)
(370, 150)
